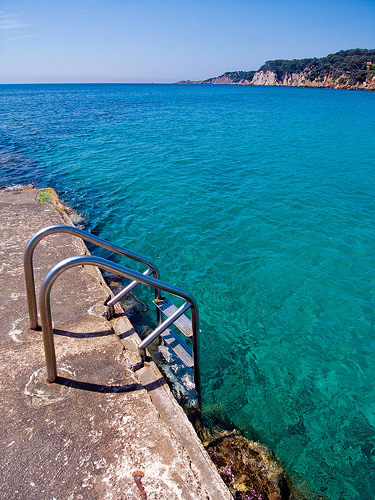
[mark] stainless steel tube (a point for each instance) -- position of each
(127, 289)
(45, 307)
(28, 261)
(161, 328)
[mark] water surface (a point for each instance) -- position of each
(260, 202)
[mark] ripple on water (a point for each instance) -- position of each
(260, 202)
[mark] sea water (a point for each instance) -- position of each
(260, 202)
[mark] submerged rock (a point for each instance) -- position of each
(130, 304)
(248, 468)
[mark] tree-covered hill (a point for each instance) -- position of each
(238, 76)
(347, 69)
(353, 63)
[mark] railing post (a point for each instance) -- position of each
(47, 329)
(30, 290)
(196, 354)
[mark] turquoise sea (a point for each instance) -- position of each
(258, 200)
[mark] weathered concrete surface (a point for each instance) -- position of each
(83, 437)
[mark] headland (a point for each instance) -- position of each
(352, 69)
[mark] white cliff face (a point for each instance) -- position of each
(265, 78)
(289, 80)
(269, 78)
(302, 80)
(295, 80)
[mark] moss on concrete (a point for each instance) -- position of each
(46, 196)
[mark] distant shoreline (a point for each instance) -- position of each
(352, 69)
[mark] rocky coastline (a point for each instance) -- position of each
(351, 70)
(270, 78)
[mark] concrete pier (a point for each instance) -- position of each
(102, 431)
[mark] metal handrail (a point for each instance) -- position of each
(161, 328)
(126, 290)
(84, 235)
(58, 269)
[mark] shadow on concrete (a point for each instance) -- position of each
(127, 334)
(82, 335)
(87, 386)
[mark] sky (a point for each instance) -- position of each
(163, 41)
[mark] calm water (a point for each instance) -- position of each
(259, 201)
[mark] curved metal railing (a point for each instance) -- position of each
(58, 269)
(84, 235)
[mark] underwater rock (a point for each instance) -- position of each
(248, 468)
(131, 305)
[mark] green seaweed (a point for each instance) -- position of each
(45, 196)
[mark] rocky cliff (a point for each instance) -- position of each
(228, 78)
(348, 69)
(302, 79)
(218, 80)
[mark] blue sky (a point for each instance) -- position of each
(170, 40)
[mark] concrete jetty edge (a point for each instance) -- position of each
(102, 431)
